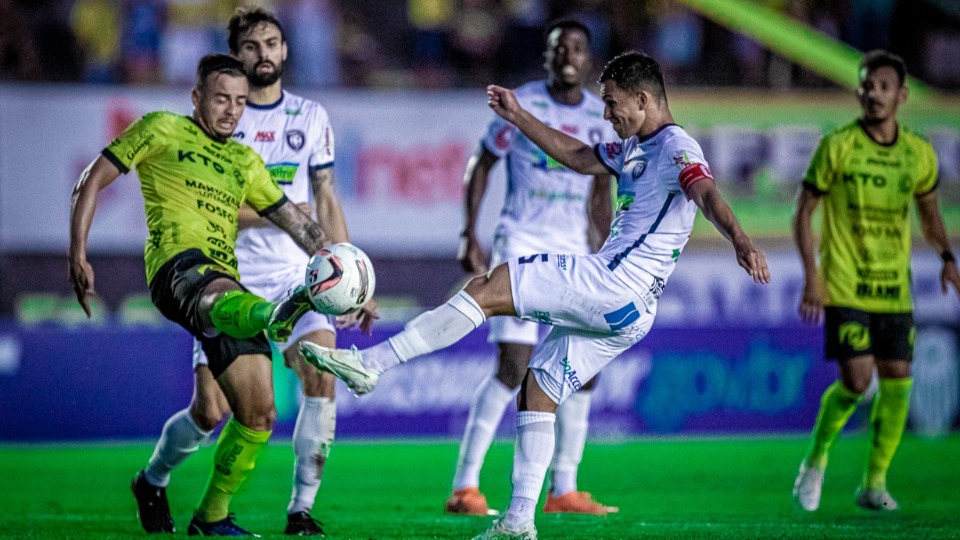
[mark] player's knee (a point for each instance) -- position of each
(206, 415)
(511, 375)
(857, 382)
(477, 286)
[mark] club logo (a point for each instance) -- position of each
(639, 168)
(296, 139)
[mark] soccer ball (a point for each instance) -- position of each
(340, 279)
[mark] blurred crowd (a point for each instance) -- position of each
(451, 43)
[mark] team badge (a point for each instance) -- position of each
(296, 139)
(639, 168)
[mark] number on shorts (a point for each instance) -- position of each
(532, 258)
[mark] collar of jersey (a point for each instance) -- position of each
(654, 133)
(268, 106)
(863, 129)
(205, 134)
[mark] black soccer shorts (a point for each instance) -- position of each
(853, 332)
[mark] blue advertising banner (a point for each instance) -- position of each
(63, 384)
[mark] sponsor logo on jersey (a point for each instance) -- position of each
(543, 317)
(501, 140)
(265, 136)
(613, 149)
(855, 335)
(680, 158)
(562, 262)
(546, 163)
(571, 129)
(656, 289)
(595, 135)
(623, 317)
(239, 135)
(282, 173)
(296, 139)
(570, 374)
(291, 112)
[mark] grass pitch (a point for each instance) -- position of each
(725, 488)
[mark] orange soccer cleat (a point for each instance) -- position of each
(576, 502)
(468, 501)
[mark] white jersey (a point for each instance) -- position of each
(293, 136)
(654, 217)
(546, 204)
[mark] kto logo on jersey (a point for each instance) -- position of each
(296, 139)
(265, 136)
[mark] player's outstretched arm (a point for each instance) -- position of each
(812, 298)
(469, 253)
(306, 232)
(600, 212)
(83, 205)
(706, 196)
(560, 146)
(931, 223)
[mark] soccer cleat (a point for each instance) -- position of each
(807, 487)
(287, 312)
(224, 527)
(875, 499)
(576, 502)
(303, 524)
(344, 364)
(469, 501)
(153, 510)
(500, 531)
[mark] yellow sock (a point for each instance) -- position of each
(836, 406)
(236, 455)
(888, 417)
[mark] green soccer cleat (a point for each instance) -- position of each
(500, 531)
(344, 364)
(875, 499)
(287, 312)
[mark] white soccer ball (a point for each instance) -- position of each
(340, 279)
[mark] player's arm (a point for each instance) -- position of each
(931, 223)
(569, 151)
(470, 254)
(600, 211)
(83, 205)
(248, 218)
(812, 298)
(306, 232)
(704, 193)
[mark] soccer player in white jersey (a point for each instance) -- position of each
(599, 305)
(548, 209)
(295, 140)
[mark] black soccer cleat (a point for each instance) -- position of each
(224, 527)
(303, 524)
(153, 511)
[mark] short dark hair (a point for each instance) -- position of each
(879, 58)
(246, 18)
(566, 24)
(634, 72)
(218, 63)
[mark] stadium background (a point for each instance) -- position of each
(757, 82)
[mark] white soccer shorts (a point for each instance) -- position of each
(272, 286)
(511, 329)
(595, 316)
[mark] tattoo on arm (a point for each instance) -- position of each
(319, 178)
(304, 231)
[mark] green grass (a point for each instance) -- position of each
(726, 488)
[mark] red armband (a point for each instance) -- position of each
(693, 173)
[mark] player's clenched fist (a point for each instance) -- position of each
(503, 102)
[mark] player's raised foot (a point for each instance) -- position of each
(224, 527)
(576, 502)
(153, 510)
(344, 364)
(303, 524)
(501, 531)
(875, 499)
(469, 501)
(807, 487)
(287, 312)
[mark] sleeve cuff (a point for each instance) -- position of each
(321, 167)
(807, 186)
(115, 160)
(929, 191)
(270, 209)
(596, 152)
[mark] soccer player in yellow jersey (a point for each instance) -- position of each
(194, 178)
(866, 172)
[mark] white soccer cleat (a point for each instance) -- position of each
(344, 364)
(807, 488)
(500, 531)
(875, 499)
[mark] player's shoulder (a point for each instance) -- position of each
(533, 94)
(242, 153)
(916, 138)
(295, 105)
(161, 119)
(842, 134)
(674, 137)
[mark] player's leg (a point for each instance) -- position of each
(241, 314)
(484, 296)
(315, 428)
(853, 352)
(888, 416)
(491, 399)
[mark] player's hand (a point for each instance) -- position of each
(503, 102)
(81, 277)
(811, 301)
(950, 275)
(362, 318)
(471, 255)
(752, 259)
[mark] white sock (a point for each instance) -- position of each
(535, 440)
(486, 410)
(312, 440)
(572, 423)
(181, 437)
(437, 329)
